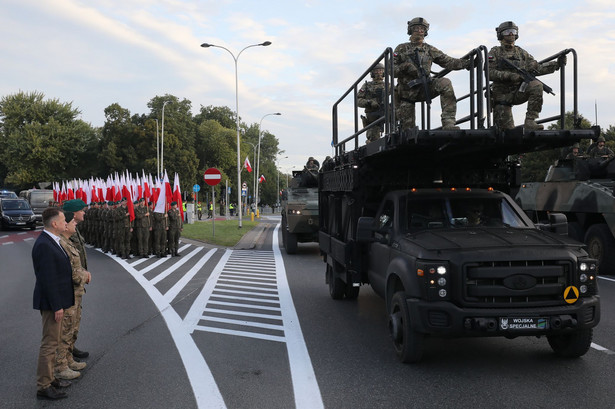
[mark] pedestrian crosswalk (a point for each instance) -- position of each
(246, 294)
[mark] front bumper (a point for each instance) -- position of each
(447, 319)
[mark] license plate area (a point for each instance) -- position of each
(513, 324)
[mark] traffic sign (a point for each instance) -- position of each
(196, 188)
(212, 176)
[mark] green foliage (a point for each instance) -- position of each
(227, 232)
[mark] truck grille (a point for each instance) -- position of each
(502, 283)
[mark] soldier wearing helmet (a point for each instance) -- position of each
(371, 97)
(505, 90)
(600, 150)
(406, 70)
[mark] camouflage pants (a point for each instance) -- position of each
(372, 134)
(505, 98)
(68, 336)
(143, 240)
(439, 86)
(160, 242)
(173, 240)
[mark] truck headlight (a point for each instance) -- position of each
(587, 270)
(434, 275)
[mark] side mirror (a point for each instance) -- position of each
(558, 224)
(365, 229)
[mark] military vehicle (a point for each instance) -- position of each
(582, 189)
(424, 217)
(300, 209)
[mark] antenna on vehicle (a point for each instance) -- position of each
(596, 111)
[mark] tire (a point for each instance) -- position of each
(407, 342)
(572, 345)
(601, 246)
(337, 287)
(351, 292)
(291, 243)
(575, 231)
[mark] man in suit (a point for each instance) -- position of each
(53, 292)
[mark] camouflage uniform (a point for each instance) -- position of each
(175, 227)
(142, 226)
(159, 229)
(406, 70)
(506, 80)
(371, 97)
(599, 152)
(72, 315)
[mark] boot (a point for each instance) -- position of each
(530, 122)
(449, 125)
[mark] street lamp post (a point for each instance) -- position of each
(258, 160)
(207, 45)
(162, 142)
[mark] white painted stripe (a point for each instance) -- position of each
(28, 238)
(255, 324)
(167, 272)
(602, 349)
(240, 333)
(206, 392)
(606, 278)
(305, 386)
(8, 242)
(268, 294)
(241, 313)
(172, 293)
(248, 280)
(264, 290)
(232, 297)
(247, 274)
(248, 306)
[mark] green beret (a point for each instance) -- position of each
(173, 203)
(74, 205)
(69, 216)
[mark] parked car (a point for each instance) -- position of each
(7, 194)
(16, 213)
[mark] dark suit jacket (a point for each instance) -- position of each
(53, 290)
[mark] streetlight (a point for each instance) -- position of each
(258, 161)
(162, 141)
(207, 45)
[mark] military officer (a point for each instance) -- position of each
(160, 228)
(371, 97)
(600, 150)
(506, 89)
(175, 227)
(407, 59)
(142, 227)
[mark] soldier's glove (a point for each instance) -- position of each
(561, 60)
(472, 62)
(374, 105)
(514, 77)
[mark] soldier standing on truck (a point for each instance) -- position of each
(412, 62)
(600, 150)
(508, 84)
(371, 97)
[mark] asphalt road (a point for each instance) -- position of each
(256, 328)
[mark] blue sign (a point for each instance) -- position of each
(196, 188)
(244, 192)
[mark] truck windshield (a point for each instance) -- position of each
(460, 212)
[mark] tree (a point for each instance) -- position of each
(224, 115)
(42, 140)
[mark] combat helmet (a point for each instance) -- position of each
(379, 66)
(418, 21)
(601, 139)
(505, 26)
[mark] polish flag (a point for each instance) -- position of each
(261, 179)
(161, 203)
(246, 164)
(177, 195)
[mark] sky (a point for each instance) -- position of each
(94, 53)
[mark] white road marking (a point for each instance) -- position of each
(602, 349)
(606, 278)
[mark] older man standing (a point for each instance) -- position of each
(53, 292)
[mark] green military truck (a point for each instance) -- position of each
(424, 217)
(299, 210)
(582, 189)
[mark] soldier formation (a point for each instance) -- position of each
(107, 225)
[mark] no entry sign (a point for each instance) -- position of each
(212, 176)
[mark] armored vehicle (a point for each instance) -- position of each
(300, 210)
(582, 189)
(424, 216)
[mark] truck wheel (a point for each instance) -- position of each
(291, 243)
(337, 287)
(351, 292)
(408, 343)
(572, 345)
(601, 246)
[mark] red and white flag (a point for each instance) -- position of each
(261, 179)
(177, 195)
(246, 164)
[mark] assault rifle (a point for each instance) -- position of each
(424, 79)
(527, 77)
